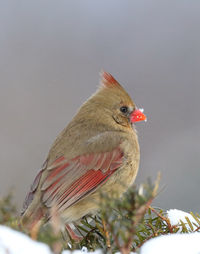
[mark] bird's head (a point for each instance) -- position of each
(115, 101)
(110, 105)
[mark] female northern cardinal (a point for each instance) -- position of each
(97, 152)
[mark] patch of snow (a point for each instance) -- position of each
(130, 253)
(83, 250)
(14, 242)
(175, 216)
(173, 244)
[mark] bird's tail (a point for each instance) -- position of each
(32, 220)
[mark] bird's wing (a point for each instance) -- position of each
(33, 188)
(68, 181)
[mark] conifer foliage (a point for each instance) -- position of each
(123, 224)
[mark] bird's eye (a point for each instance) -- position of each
(124, 109)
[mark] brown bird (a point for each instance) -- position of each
(97, 152)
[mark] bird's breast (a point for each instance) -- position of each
(125, 176)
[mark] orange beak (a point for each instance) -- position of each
(137, 116)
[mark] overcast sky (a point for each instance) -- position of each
(51, 53)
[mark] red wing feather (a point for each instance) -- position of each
(74, 179)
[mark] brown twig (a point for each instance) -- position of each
(171, 228)
(152, 228)
(197, 229)
(106, 234)
(140, 213)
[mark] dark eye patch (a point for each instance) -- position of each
(124, 109)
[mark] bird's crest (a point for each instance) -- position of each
(108, 84)
(107, 80)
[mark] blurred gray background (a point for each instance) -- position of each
(51, 53)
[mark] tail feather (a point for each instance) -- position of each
(31, 219)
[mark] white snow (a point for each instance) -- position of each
(14, 242)
(83, 250)
(173, 244)
(175, 216)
